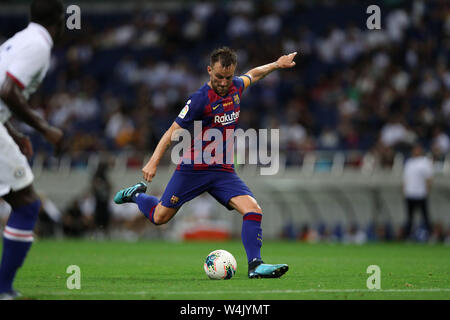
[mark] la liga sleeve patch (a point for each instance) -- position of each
(185, 110)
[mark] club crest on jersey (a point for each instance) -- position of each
(236, 99)
(19, 172)
(174, 200)
(227, 118)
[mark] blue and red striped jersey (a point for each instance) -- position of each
(212, 148)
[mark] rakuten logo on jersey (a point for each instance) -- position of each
(227, 118)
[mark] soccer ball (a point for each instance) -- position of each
(220, 264)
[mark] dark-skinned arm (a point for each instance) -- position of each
(12, 96)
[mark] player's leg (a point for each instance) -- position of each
(251, 236)
(251, 233)
(182, 187)
(233, 193)
(17, 236)
(409, 217)
(425, 217)
(16, 188)
(149, 205)
(136, 194)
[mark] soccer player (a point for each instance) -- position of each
(216, 104)
(24, 61)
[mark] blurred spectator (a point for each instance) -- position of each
(417, 179)
(77, 218)
(394, 132)
(127, 221)
(49, 220)
(120, 128)
(328, 139)
(440, 144)
(101, 189)
(397, 21)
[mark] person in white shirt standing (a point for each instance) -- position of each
(417, 178)
(24, 61)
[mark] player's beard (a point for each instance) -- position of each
(220, 90)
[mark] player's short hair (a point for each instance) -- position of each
(225, 56)
(46, 12)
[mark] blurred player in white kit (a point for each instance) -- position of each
(24, 61)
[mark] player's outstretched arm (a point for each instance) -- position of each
(258, 73)
(149, 170)
(11, 94)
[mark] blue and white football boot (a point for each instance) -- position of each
(259, 269)
(126, 195)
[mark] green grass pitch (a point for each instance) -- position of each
(174, 271)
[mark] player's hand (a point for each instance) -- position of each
(53, 135)
(149, 171)
(286, 61)
(22, 141)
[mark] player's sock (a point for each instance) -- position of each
(251, 235)
(146, 204)
(17, 240)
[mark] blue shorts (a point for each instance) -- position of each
(186, 185)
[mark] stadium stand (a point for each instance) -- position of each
(126, 74)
